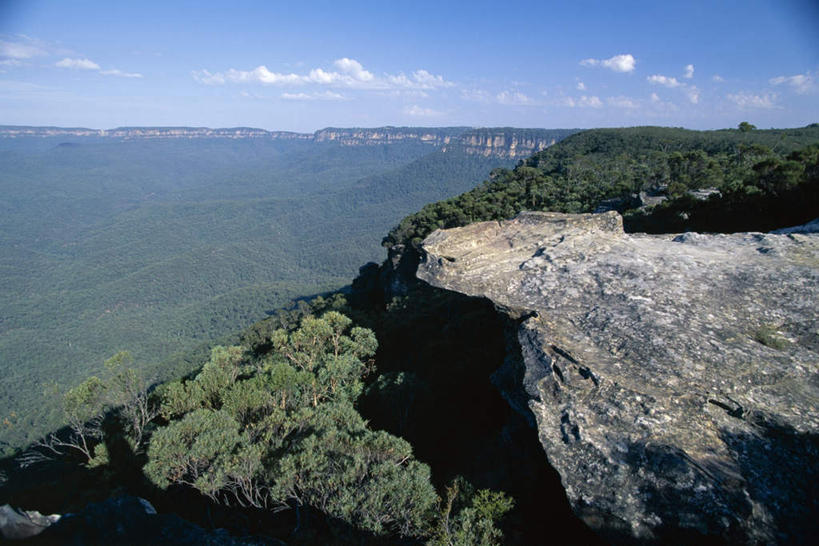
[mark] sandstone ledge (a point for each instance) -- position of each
(673, 378)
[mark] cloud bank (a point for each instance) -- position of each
(346, 73)
(801, 83)
(747, 100)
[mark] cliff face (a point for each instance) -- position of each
(674, 380)
(386, 135)
(502, 142)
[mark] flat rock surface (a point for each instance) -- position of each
(673, 378)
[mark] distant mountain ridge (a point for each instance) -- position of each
(506, 142)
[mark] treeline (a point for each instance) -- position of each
(750, 169)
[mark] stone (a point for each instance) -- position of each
(16, 524)
(673, 378)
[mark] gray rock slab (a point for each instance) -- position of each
(673, 378)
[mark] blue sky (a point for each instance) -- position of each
(305, 65)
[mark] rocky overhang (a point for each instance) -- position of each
(673, 379)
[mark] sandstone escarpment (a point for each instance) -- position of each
(388, 135)
(674, 379)
(503, 143)
(488, 142)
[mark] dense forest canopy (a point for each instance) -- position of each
(160, 245)
(765, 179)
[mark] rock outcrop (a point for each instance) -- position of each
(507, 142)
(16, 524)
(673, 379)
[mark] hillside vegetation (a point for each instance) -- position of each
(159, 246)
(765, 179)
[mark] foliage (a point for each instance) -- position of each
(775, 192)
(279, 429)
(468, 517)
(166, 245)
(592, 167)
(122, 395)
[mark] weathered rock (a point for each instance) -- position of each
(16, 524)
(673, 378)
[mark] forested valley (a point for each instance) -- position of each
(368, 414)
(163, 245)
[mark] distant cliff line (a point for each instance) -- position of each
(502, 141)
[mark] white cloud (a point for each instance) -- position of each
(429, 81)
(618, 63)
(418, 111)
(623, 102)
(354, 69)
(120, 73)
(259, 74)
(10, 62)
(717, 78)
(514, 98)
(582, 102)
(801, 83)
(691, 91)
(660, 107)
(747, 100)
(348, 73)
(477, 95)
(205, 77)
(78, 64)
(327, 95)
(689, 71)
(591, 102)
(658, 79)
(581, 86)
(22, 47)
(87, 64)
(420, 79)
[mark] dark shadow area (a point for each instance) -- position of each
(780, 466)
(446, 346)
(763, 211)
(767, 493)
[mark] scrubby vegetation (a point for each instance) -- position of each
(282, 431)
(275, 427)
